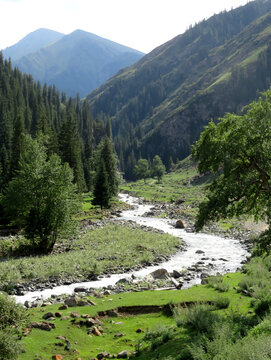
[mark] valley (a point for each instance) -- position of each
(135, 188)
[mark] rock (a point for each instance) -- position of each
(46, 326)
(27, 304)
(124, 281)
(103, 355)
(82, 303)
(95, 331)
(63, 307)
(123, 355)
(199, 252)
(107, 292)
(74, 315)
(180, 224)
(48, 315)
(160, 274)
(60, 337)
(91, 322)
(58, 314)
(71, 301)
(176, 274)
(112, 313)
(65, 318)
(118, 335)
(80, 289)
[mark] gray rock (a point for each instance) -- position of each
(123, 355)
(71, 301)
(80, 289)
(160, 274)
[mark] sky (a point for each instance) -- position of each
(139, 24)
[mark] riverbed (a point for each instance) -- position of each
(214, 254)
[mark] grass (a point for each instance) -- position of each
(152, 323)
(112, 249)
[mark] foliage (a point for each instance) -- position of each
(94, 253)
(12, 317)
(158, 335)
(158, 168)
(142, 169)
(160, 104)
(41, 197)
(237, 151)
(106, 180)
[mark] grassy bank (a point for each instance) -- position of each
(86, 347)
(113, 248)
(228, 318)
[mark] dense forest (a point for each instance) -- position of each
(28, 108)
(160, 104)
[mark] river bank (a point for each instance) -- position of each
(203, 255)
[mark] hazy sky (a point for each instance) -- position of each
(140, 24)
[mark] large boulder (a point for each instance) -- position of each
(180, 224)
(160, 274)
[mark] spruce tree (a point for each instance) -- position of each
(101, 193)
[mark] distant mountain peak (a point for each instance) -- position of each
(76, 63)
(32, 42)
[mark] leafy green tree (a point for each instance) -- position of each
(158, 168)
(237, 151)
(41, 197)
(142, 169)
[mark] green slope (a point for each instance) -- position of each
(161, 103)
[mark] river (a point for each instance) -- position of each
(216, 253)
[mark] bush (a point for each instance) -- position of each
(158, 336)
(10, 347)
(199, 318)
(262, 306)
(12, 316)
(222, 302)
(216, 282)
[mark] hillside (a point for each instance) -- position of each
(77, 62)
(31, 43)
(160, 104)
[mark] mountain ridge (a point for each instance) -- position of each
(77, 62)
(31, 42)
(153, 97)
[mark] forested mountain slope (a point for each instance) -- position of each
(26, 107)
(160, 104)
(78, 62)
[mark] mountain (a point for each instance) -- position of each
(78, 62)
(31, 43)
(160, 104)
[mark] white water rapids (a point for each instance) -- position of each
(225, 255)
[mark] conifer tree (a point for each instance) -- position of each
(101, 191)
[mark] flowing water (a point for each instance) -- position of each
(222, 254)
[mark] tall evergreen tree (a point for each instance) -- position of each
(101, 193)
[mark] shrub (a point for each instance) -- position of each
(198, 317)
(216, 282)
(222, 302)
(12, 316)
(10, 347)
(158, 336)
